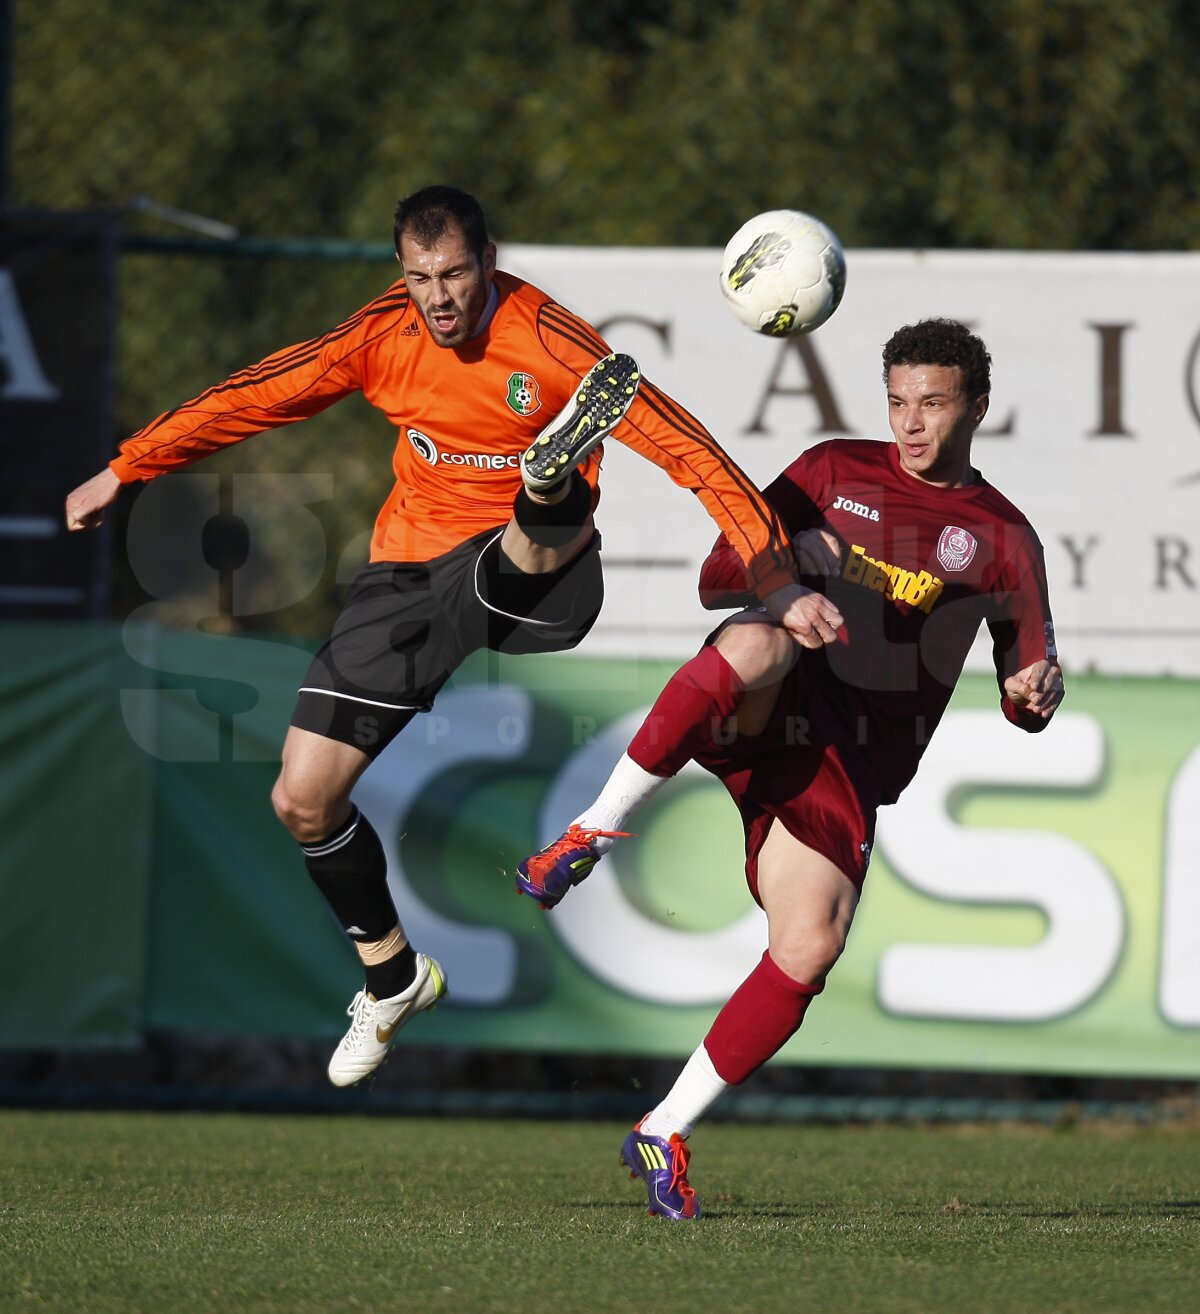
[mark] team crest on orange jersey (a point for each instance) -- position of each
(956, 548)
(523, 394)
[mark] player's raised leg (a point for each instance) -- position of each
(346, 861)
(730, 685)
(552, 512)
(526, 575)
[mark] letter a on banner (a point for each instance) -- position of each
(20, 369)
(57, 274)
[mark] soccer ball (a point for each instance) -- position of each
(783, 272)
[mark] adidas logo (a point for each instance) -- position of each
(412, 330)
(652, 1157)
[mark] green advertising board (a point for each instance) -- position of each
(1033, 902)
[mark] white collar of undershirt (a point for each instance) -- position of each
(488, 311)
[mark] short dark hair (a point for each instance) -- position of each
(425, 216)
(941, 342)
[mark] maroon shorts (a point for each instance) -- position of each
(806, 770)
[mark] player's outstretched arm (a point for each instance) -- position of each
(723, 584)
(1037, 690)
(810, 618)
(87, 504)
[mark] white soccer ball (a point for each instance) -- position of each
(783, 272)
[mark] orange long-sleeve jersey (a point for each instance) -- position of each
(463, 416)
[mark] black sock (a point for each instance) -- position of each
(555, 524)
(385, 980)
(350, 870)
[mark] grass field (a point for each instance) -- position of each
(181, 1212)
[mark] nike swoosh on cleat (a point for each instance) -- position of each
(384, 1034)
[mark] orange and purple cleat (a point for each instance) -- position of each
(550, 873)
(662, 1166)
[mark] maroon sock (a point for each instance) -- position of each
(688, 715)
(762, 1013)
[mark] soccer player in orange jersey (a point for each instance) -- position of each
(917, 550)
(500, 398)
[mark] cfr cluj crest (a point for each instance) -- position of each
(523, 395)
(956, 548)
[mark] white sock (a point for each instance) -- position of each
(626, 790)
(696, 1088)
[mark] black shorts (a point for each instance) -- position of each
(406, 626)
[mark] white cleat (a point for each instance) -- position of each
(375, 1021)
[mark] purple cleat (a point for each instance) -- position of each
(662, 1165)
(549, 874)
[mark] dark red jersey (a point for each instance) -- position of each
(921, 569)
(463, 416)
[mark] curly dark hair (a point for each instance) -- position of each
(428, 213)
(941, 342)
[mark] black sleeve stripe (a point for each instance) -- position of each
(673, 414)
(183, 438)
(553, 318)
(577, 331)
(290, 357)
(293, 359)
(774, 542)
(380, 306)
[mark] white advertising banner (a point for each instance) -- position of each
(1094, 427)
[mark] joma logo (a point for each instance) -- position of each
(855, 508)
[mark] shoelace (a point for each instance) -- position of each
(360, 1006)
(680, 1154)
(574, 838)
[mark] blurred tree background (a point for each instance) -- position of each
(966, 123)
(1050, 124)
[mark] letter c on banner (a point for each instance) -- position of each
(483, 960)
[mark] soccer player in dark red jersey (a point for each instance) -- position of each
(500, 398)
(916, 550)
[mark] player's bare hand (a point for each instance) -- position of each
(87, 504)
(810, 618)
(817, 552)
(1037, 689)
